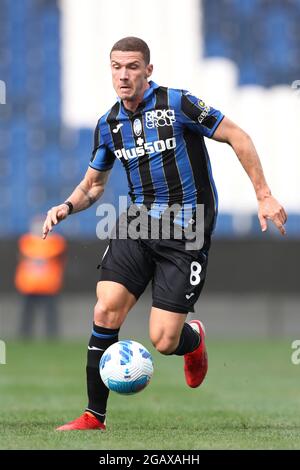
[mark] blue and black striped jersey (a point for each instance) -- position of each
(161, 146)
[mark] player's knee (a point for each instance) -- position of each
(165, 344)
(108, 315)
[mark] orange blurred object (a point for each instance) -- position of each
(41, 267)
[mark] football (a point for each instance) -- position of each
(126, 367)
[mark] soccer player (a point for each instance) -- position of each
(158, 135)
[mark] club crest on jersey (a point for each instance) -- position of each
(137, 127)
(160, 118)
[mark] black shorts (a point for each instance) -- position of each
(177, 274)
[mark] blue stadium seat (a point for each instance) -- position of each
(269, 57)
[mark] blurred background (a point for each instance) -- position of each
(240, 56)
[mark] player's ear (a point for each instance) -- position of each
(149, 70)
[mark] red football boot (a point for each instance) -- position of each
(196, 362)
(85, 422)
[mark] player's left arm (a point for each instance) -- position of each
(241, 142)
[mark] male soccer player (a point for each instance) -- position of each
(158, 135)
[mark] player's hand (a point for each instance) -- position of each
(270, 209)
(54, 216)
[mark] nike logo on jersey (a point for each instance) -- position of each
(116, 129)
(188, 296)
(93, 348)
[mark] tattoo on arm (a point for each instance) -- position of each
(90, 198)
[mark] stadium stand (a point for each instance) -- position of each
(41, 159)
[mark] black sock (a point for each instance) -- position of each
(98, 393)
(189, 340)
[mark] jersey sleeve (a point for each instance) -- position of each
(198, 116)
(102, 158)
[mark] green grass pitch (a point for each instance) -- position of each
(249, 400)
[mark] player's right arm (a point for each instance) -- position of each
(84, 195)
(90, 188)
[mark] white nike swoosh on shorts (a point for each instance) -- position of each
(93, 348)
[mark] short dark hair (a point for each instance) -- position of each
(132, 43)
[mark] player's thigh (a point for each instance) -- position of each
(127, 262)
(178, 279)
(113, 303)
(165, 329)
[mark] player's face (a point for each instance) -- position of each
(129, 75)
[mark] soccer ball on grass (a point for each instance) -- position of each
(126, 367)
